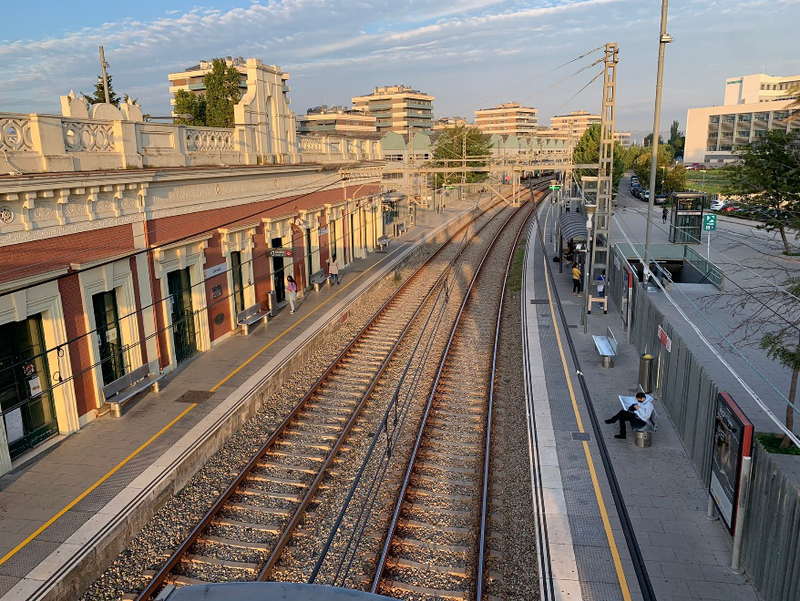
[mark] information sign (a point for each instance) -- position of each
(216, 270)
(280, 252)
(14, 428)
(733, 440)
(323, 231)
(665, 340)
(709, 223)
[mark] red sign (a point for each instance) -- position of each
(665, 340)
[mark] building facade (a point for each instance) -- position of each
(507, 119)
(573, 125)
(714, 133)
(397, 109)
(443, 123)
(192, 79)
(128, 247)
(759, 87)
(335, 119)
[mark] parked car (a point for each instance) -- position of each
(637, 191)
(718, 204)
(645, 195)
(730, 208)
(660, 199)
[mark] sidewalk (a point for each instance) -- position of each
(686, 555)
(45, 502)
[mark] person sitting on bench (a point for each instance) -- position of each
(637, 414)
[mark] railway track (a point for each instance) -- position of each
(244, 533)
(436, 544)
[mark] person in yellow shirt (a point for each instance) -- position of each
(576, 280)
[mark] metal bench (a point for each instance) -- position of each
(607, 347)
(383, 242)
(318, 280)
(644, 434)
(250, 317)
(123, 389)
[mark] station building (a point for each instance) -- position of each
(128, 246)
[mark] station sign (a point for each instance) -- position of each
(709, 223)
(280, 252)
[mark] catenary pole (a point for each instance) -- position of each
(663, 39)
(103, 65)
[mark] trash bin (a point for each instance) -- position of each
(646, 373)
(644, 439)
(272, 306)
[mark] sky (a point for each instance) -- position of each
(469, 54)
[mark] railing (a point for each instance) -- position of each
(86, 136)
(710, 272)
(15, 134)
(199, 139)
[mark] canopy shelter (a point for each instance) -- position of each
(571, 228)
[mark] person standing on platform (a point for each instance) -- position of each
(664, 215)
(637, 414)
(576, 280)
(333, 269)
(291, 289)
(601, 284)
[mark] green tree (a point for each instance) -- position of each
(676, 139)
(451, 146)
(587, 150)
(767, 175)
(187, 103)
(648, 140)
(630, 154)
(642, 169)
(222, 92)
(99, 94)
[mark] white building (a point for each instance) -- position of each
(754, 104)
(397, 108)
(335, 119)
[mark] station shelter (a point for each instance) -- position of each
(686, 218)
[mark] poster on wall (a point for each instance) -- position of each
(733, 440)
(35, 384)
(14, 427)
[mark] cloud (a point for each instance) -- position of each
(462, 51)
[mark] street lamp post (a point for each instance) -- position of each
(587, 269)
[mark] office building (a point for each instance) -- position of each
(754, 105)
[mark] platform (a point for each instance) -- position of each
(685, 555)
(63, 503)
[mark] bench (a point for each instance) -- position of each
(250, 317)
(644, 434)
(383, 242)
(607, 347)
(318, 280)
(123, 389)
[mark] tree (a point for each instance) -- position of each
(587, 150)
(222, 92)
(767, 175)
(676, 139)
(767, 317)
(648, 140)
(99, 94)
(187, 103)
(451, 146)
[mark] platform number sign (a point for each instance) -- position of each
(709, 223)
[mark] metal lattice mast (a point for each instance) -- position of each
(601, 250)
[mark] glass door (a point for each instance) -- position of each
(183, 332)
(238, 286)
(26, 399)
(109, 339)
(277, 273)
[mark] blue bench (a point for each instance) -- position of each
(607, 347)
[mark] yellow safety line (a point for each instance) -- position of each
(626, 594)
(301, 320)
(47, 524)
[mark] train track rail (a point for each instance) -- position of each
(244, 533)
(436, 544)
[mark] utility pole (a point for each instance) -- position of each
(663, 39)
(103, 65)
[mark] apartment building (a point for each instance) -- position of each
(574, 124)
(754, 105)
(335, 119)
(397, 108)
(443, 123)
(507, 119)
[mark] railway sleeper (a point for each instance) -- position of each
(460, 530)
(265, 493)
(473, 434)
(224, 563)
(428, 464)
(456, 420)
(424, 493)
(388, 586)
(276, 480)
(278, 511)
(436, 546)
(448, 482)
(294, 455)
(231, 523)
(451, 403)
(467, 450)
(273, 465)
